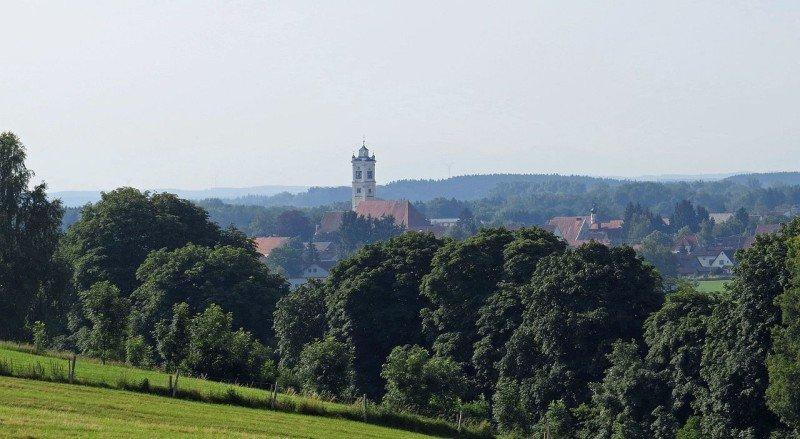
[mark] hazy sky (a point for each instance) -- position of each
(197, 94)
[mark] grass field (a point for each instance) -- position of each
(97, 378)
(30, 408)
(711, 286)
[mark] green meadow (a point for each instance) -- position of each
(115, 400)
(41, 409)
(712, 285)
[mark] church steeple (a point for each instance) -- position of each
(363, 175)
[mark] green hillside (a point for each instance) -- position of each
(30, 408)
(105, 385)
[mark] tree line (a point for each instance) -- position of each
(509, 327)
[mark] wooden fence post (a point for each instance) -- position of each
(364, 406)
(175, 387)
(169, 383)
(274, 395)
(71, 368)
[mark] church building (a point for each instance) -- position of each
(366, 203)
(363, 175)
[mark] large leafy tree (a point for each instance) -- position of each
(739, 340)
(358, 230)
(501, 313)
(575, 306)
(115, 235)
(105, 310)
(657, 249)
(294, 223)
(300, 318)
(220, 353)
(326, 368)
(29, 232)
(463, 275)
(783, 393)
(230, 277)
(675, 336)
(374, 302)
(417, 382)
(630, 402)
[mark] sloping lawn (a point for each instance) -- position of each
(30, 408)
(711, 286)
(21, 362)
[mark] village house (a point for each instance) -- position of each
(577, 230)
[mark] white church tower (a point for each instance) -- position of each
(363, 175)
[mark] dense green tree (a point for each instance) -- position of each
(631, 401)
(783, 393)
(326, 368)
(498, 318)
(575, 306)
(640, 222)
(657, 249)
(374, 302)
(300, 318)
(287, 259)
(173, 339)
(230, 277)
(115, 235)
(675, 336)
(219, 353)
(419, 383)
(685, 215)
(29, 232)
(739, 339)
(294, 224)
(357, 230)
(463, 274)
(290, 259)
(105, 310)
(501, 313)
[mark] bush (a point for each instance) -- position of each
(423, 384)
(39, 336)
(219, 353)
(326, 368)
(138, 352)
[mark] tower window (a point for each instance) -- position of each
(369, 175)
(358, 175)
(358, 190)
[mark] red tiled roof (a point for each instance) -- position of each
(767, 228)
(569, 226)
(689, 240)
(613, 224)
(761, 229)
(265, 244)
(403, 212)
(577, 230)
(331, 222)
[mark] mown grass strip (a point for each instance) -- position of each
(18, 361)
(30, 408)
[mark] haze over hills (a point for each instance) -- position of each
(79, 198)
(466, 187)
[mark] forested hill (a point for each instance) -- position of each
(767, 179)
(511, 198)
(477, 187)
(465, 188)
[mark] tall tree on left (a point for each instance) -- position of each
(29, 232)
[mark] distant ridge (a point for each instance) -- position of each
(768, 179)
(79, 198)
(465, 188)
